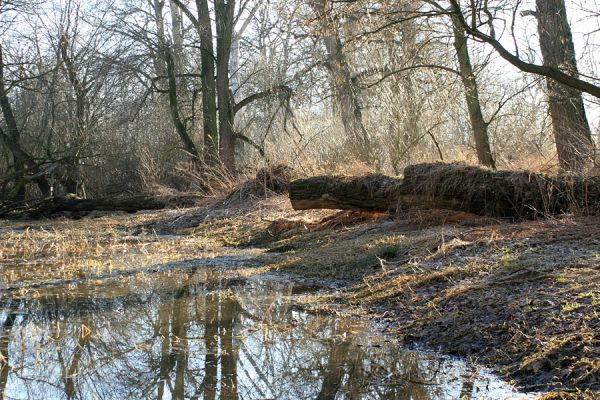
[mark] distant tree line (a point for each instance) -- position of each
(104, 97)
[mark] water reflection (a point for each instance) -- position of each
(197, 335)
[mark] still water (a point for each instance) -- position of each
(203, 334)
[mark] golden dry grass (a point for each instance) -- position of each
(520, 297)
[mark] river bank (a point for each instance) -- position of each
(521, 298)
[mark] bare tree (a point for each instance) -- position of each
(224, 21)
(478, 124)
(571, 128)
(216, 75)
(26, 167)
(471, 20)
(347, 93)
(569, 121)
(202, 24)
(209, 105)
(73, 179)
(166, 52)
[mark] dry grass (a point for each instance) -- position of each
(521, 297)
(524, 297)
(39, 253)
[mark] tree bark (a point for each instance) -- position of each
(177, 34)
(569, 122)
(346, 91)
(166, 53)
(503, 194)
(224, 13)
(209, 105)
(11, 139)
(479, 126)
(47, 207)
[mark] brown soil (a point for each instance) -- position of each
(523, 298)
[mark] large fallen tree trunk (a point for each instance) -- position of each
(520, 195)
(47, 207)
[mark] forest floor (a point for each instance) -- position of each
(520, 297)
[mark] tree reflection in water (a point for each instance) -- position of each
(198, 335)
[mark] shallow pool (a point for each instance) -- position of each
(201, 333)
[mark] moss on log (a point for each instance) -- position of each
(503, 194)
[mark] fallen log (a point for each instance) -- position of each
(52, 205)
(503, 194)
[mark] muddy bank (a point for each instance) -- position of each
(522, 298)
(204, 330)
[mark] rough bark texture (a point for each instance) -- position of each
(478, 125)
(224, 13)
(503, 194)
(569, 122)
(47, 207)
(209, 105)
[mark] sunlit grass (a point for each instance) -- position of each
(430, 280)
(79, 249)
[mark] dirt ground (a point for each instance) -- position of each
(520, 297)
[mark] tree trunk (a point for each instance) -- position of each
(569, 122)
(5, 335)
(230, 312)
(224, 22)
(180, 351)
(177, 33)
(346, 91)
(478, 124)
(334, 371)
(49, 206)
(165, 363)
(11, 139)
(166, 53)
(73, 181)
(209, 106)
(405, 125)
(211, 343)
(70, 375)
(503, 194)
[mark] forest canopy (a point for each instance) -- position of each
(105, 97)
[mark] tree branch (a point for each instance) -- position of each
(251, 142)
(281, 89)
(544, 70)
(187, 13)
(389, 72)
